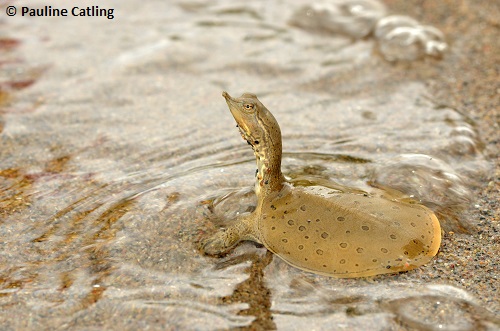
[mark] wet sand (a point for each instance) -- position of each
(466, 80)
(469, 82)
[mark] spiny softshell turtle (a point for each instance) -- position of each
(340, 233)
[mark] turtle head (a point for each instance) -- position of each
(261, 130)
(257, 125)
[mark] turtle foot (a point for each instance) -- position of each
(219, 243)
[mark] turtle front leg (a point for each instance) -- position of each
(224, 240)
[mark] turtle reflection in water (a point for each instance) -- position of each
(339, 233)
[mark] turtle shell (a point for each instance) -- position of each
(338, 234)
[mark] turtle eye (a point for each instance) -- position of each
(248, 106)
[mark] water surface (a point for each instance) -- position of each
(119, 154)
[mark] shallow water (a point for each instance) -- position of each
(119, 154)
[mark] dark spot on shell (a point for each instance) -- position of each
(413, 248)
(422, 236)
(273, 217)
(273, 228)
(340, 219)
(319, 252)
(291, 222)
(357, 265)
(324, 265)
(406, 253)
(317, 220)
(359, 250)
(273, 207)
(303, 208)
(365, 228)
(301, 247)
(348, 232)
(324, 235)
(285, 212)
(305, 259)
(266, 182)
(342, 261)
(256, 142)
(306, 237)
(393, 236)
(343, 245)
(302, 228)
(413, 224)
(384, 250)
(418, 215)
(284, 240)
(388, 267)
(374, 260)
